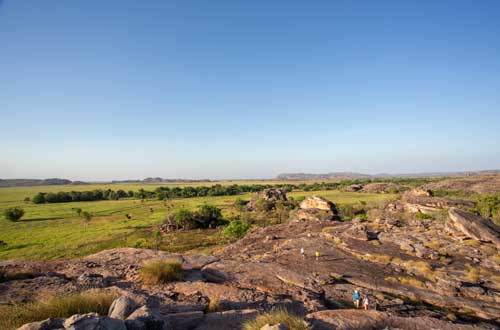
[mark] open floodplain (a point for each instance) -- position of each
(54, 230)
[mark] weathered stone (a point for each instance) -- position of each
(353, 188)
(145, 319)
(122, 307)
(474, 226)
(91, 281)
(48, 324)
(271, 195)
(92, 321)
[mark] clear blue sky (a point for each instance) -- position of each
(93, 89)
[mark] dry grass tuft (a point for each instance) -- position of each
(213, 305)
(161, 272)
(293, 322)
(13, 316)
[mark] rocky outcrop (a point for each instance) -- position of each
(368, 320)
(473, 226)
(381, 188)
(353, 188)
(271, 195)
(317, 208)
(426, 204)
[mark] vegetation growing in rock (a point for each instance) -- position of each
(293, 322)
(12, 316)
(236, 229)
(161, 272)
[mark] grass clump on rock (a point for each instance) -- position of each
(13, 316)
(161, 272)
(277, 316)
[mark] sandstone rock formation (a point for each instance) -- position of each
(381, 188)
(473, 226)
(353, 188)
(271, 195)
(317, 208)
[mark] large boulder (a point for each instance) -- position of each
(92, 321)
(122, 307)
(145, 319)
(473, 226)
(317, 208)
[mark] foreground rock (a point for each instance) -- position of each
(368, 320)
(93, 321)
(473, 226)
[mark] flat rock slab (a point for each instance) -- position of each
(353, 319)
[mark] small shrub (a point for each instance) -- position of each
(236, 229)
(293, 322)
(422, 216)
(13, 316)
(13, 213)
(161, 272)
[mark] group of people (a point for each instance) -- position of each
(366, 300)
(316, 254)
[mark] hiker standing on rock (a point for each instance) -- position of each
(356, 298)
(302, 252)
(366, 302)
(317, 255)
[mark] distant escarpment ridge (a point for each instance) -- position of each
(354, 175)
(62, 182)
(37, 182)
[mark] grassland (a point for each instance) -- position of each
(52, 231)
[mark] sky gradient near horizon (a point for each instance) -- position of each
(122, 89)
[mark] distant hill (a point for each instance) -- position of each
(325, 176)
(354, 175)
(36, 182)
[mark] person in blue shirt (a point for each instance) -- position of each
(356, 297)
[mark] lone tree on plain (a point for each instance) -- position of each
(86, 219)
(77, 210)
(13, 213)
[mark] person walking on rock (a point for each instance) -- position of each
(302, 252)
(366, 302)
(356, 298)
(317, 255)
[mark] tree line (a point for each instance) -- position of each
(162, 193)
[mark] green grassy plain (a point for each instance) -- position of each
(53, 231)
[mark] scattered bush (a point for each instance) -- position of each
(161, 272)
(422, 216)
(236, 229)
(293, 322)
(13, 213)
(13, 316)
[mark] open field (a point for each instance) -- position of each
(51, 231)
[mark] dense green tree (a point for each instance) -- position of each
(13, 213)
